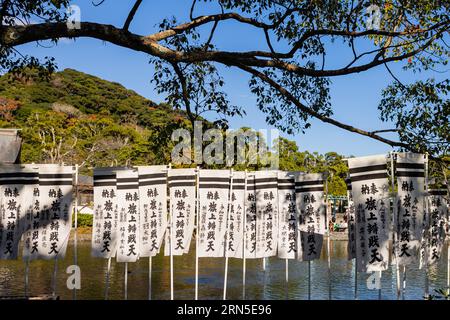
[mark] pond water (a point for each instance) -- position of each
(269, 284)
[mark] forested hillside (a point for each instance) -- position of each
(74, 117)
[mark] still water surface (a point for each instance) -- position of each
(270, 284)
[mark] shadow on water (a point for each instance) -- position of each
(260, 285)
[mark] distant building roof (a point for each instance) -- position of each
(10, 146)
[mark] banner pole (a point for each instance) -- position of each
(150, 278)
(309, 280)
(197, 206)
(328, 240)
(379, 289)
(448, 271)
(108, 270)
(171, 240)
(126, 280)
(55, 270)
(244, 238)
(27, 270)
(356, 277)
(404, 283)
(226, 237)
(394, 228)
(287, 279)
(427, 216)
(75, 235)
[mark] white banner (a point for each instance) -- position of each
(106, 216)
(266, 186)
(129, 215)
(182, 184)
(214, 188)
(410, 202)
(16, 207)
(351, 218)
(153, 205)
(53, 213)
(287, 223)
(235, 222)
(250, 233)
(370, 192)
(435, 233)
(310, 199)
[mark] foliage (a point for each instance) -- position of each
(291, 159)
(290, 70)
(83, 220)
(67, 119)
(421, 112)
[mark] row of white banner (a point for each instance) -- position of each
(241, 214)
(35, 207)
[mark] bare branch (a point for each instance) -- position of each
(131, 15)
(317, 115)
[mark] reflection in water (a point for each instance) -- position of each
(260, 285)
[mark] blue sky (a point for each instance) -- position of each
(354, 98)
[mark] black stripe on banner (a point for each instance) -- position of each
(127, 187)
(368, 168)
(105, 184)
(19, 175)
(411, 174)
(266, 180)
(266, 186)
(214, 179)
(438, 192)
(153, 175)
(182, 184)
(177, 178)
(125, 180)
(308, 183)
(238, 180)
(411, 165)
(370, 177)
(216, 186)
(55, 176)
(312, 189)
(286, 181)
(24, 182)
(104, 177)
(152, 183)
(241, 187)
(291, 187)
(55, 183)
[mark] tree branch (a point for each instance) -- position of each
(131, 15)
(317, 115)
